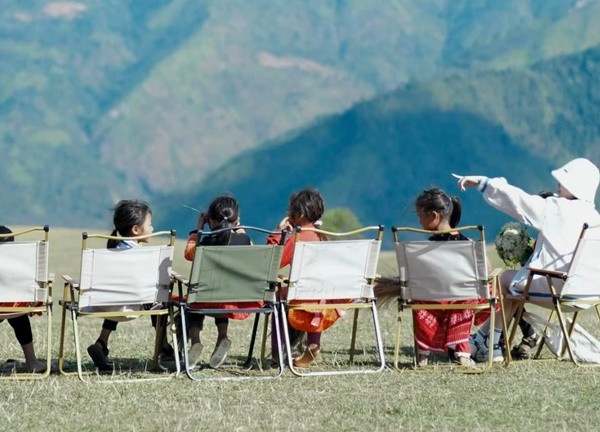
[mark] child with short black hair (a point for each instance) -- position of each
(131, 218)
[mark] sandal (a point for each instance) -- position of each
(308, 357)
(525, 348)
(220, 353)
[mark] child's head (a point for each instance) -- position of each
(5, 230)
(435, 208)
(131, 218)
(223, 212)
(305, 206)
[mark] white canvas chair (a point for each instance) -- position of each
(432, 272)
(24, 279)
(116, 284)
(334, 270)
(571, 291)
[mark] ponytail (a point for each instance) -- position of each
(456, 212)
(111, 244)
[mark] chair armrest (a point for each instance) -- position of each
(176, 276)
(68, 279)
(551, 273)
(494, 273)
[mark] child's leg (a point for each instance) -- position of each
(223, 343)
(98, 351)
(312, 350)
(222, 324)
(195, 326)
(313, 338)
(166, 348)
(22, 328)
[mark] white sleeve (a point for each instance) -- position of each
(527, 209)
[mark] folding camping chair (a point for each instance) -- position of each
(432, 272)
(572, 291)
(338, 274)
(117, 284)
(24, 278)
(231, 274)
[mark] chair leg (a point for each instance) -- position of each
(186, 358)
(397, 345)
(415, 343)
(252, 341)
(353, 339)
(61, 350)
(508, 357)
(277, 330)
(570, 331)
(172, 325)
(263, 348)
(286, 339)
(49, 342)
(377, 328)
(563, 327)
(77, 345)
(543, 341)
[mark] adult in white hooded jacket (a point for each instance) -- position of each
(558, 221)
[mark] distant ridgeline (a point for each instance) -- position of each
(101, 101)
(377, 157)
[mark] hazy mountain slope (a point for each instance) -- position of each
(378, 156)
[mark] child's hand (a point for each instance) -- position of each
(465, 182)
(201, 221)
(284, 225)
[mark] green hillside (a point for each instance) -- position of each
(377, 157)
(106, 100)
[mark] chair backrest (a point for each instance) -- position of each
(119, 277)
(23, 271)
(234, 273)
(443, 270)
(583, 278)
(333, 270)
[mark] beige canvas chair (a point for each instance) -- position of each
(432, 272)
(26, 283)
(116, 284)
(338, 274)
(571, 291)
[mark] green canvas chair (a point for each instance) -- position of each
(231, 274)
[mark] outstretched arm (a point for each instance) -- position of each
(526, 208)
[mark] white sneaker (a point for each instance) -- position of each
(220, 353)
(194, 354)
(483, 354)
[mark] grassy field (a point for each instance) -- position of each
(528, 395)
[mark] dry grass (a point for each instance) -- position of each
(531, 395)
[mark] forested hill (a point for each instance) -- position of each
(378, 156)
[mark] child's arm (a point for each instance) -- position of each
(190, 247)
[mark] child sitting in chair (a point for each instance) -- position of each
(131, 218)
(305, 210)
(558, 219)
(22, 326)
(442, 330)
(223, 212)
